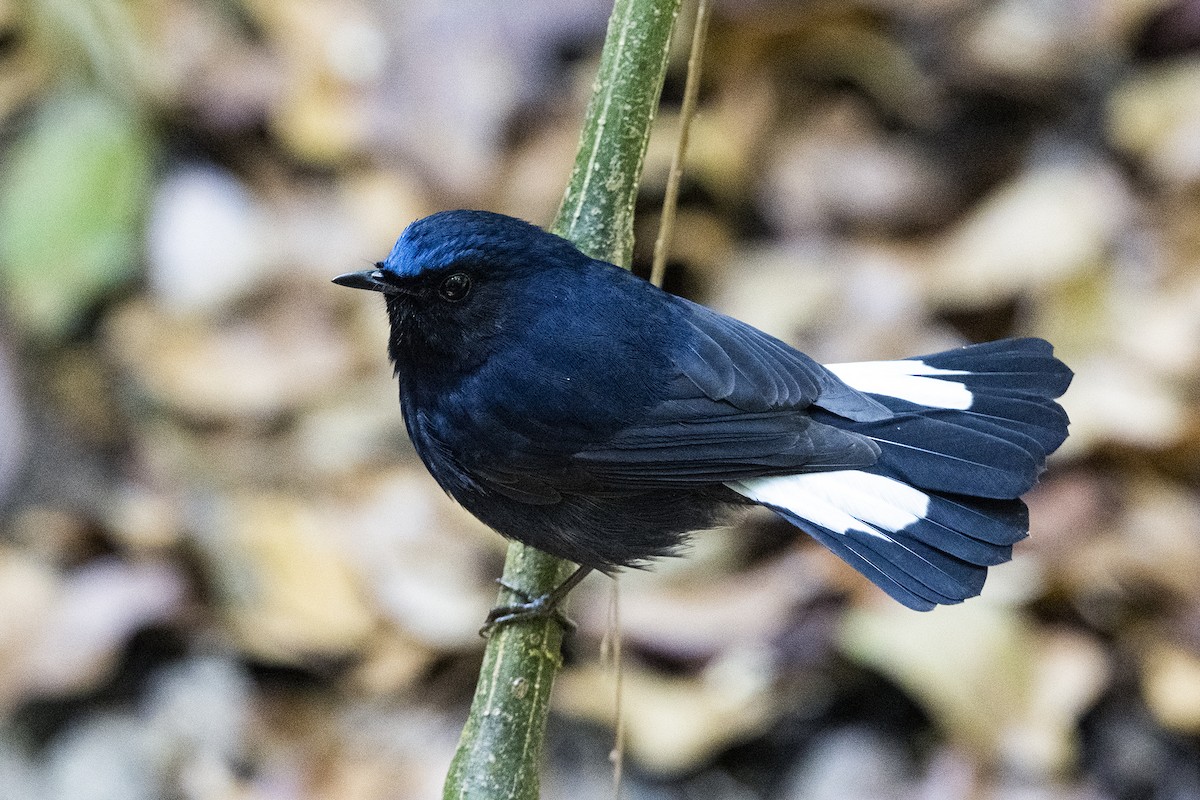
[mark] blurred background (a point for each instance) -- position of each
(225, 576)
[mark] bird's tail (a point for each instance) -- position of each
(971, 432)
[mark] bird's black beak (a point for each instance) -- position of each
(374, 280)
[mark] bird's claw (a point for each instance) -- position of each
(532, 608)
(517, 590)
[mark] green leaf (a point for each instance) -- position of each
(73, 192)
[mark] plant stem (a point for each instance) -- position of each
(500, 751)
(597, 208)
(691, 92)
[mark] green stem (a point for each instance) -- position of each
(500, 752)
(597, 208)
(691, 92)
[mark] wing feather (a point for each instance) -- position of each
(732, 361)
(734, 404)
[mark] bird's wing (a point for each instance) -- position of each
(686, 440)
(731, 403)
(737, 406)
(732, 361)
(691, 439)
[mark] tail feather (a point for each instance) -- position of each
(1040, 419)
(922, 548)
(970, 434)
(952, 535)
(880, 571)
(996, 522)
(1009, 367)
(888, 571)
(993, 444)
(956, 454)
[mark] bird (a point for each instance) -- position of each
(571, 405)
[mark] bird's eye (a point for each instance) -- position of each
(455, 287)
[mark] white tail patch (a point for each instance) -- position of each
(906, 380)
(841, 500)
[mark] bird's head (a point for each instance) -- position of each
(456, 279)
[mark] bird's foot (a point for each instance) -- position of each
(533, 608)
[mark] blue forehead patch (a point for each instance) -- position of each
(448, 237)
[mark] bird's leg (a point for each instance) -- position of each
(534, 607)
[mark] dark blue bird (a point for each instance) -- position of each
(575, 407)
